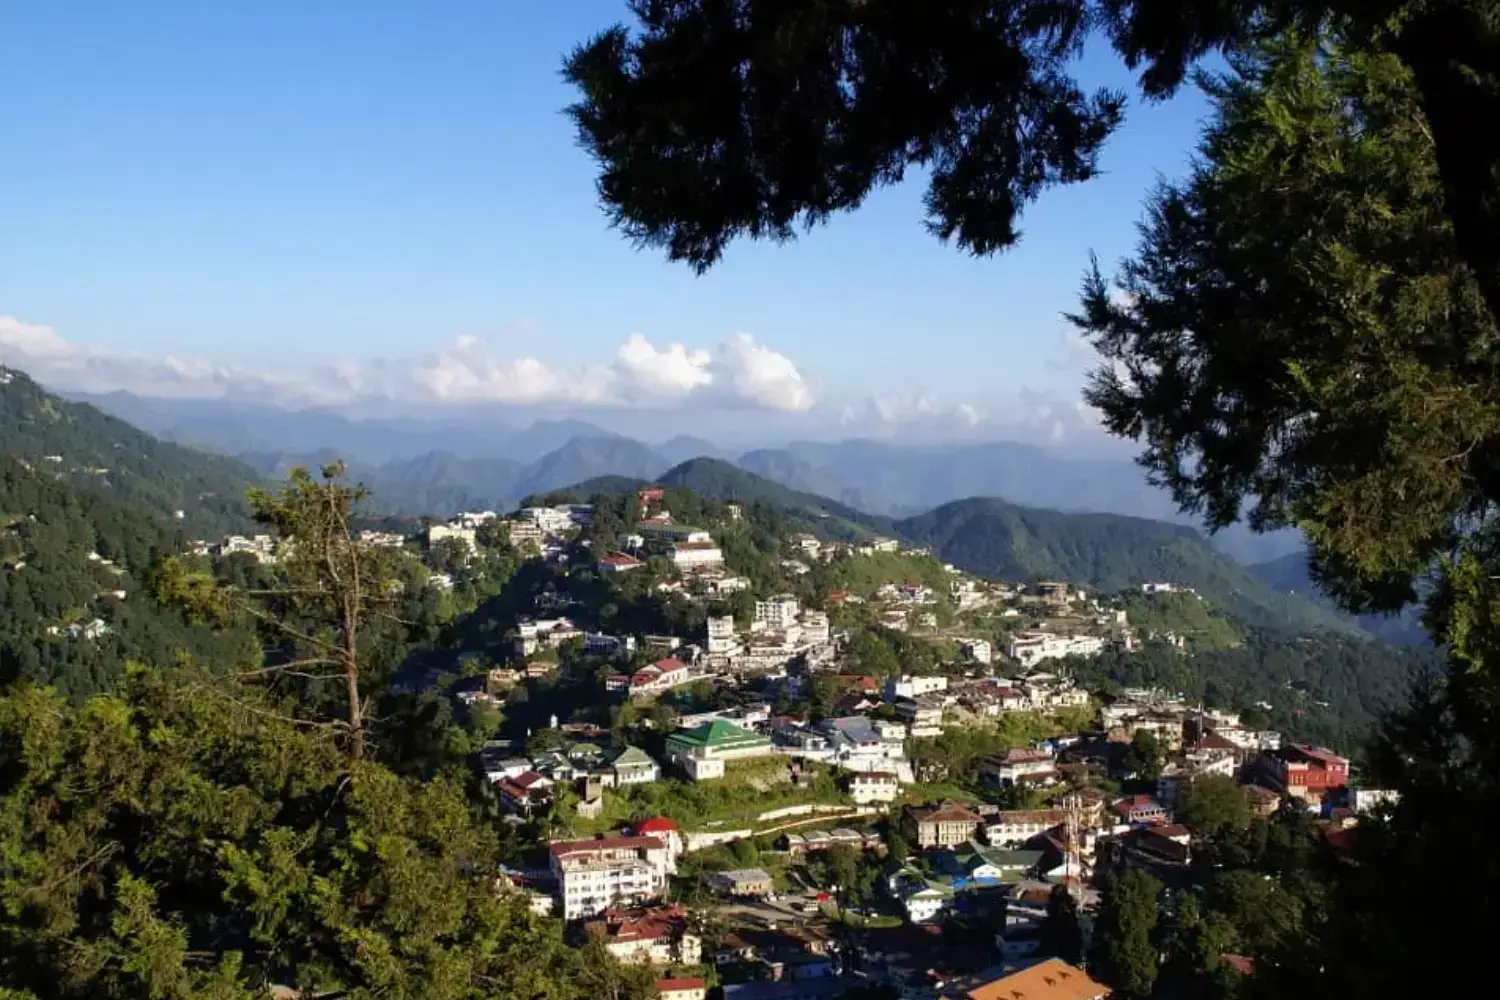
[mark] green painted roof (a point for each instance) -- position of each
(632, 755)
(716, 734)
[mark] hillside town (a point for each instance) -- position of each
(751, 803)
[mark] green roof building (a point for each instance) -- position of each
(702, 750)
(633, 766)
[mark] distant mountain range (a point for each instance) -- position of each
(985, 535)
(440, 467)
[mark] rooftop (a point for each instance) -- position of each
(718, 733)
(567, 847)
(656, 824)
(673, 985)
(1053, 979)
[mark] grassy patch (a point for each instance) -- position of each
(749, 788)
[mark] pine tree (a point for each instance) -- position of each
(1062, 934)
(1124, 953)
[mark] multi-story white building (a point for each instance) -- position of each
(1013, 827)
(532, 634)
(776, 613)
(815, 630)
(1017, 765)
(593, 875)
(873, 786)
(552, 520)
(721, 637)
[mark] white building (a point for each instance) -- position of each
(978, 650)
(1013, 827)
(924, 901)
(866, 787)
(725, 585)
(721, 637)
(437, 533)
(776, 613)
(593, 875)
(815, 629)
(551, 520)
(695, 555)
(909, 686)
(534, 633)
(1031, 648)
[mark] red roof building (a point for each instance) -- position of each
(1139, 809)
(684, 988)
(525, 792)
(1306, 771)
(654, 825)
(619, 563)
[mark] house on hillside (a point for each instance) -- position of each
(703, 751)
(633, 766)
(946, 824)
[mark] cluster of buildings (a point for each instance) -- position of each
(780, 631)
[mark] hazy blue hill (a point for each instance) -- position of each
(1290, 575)
(107, 454)
(684, 447)
(1107, 551)
(233, 427)
(719, 480)
(589, 458)
(545, 436)
(899, 479)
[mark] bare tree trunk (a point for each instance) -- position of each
(351, 678)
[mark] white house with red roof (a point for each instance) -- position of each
(653, 935)
(663, 675)
(667, 832)
(681, 988)
(525, 792)
(1140, 810)
(593, 875)
(619, 562)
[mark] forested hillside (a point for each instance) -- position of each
(100, 451)
(1329, 688)
(67, 555)
(1110, 552)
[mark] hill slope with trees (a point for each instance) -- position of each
(71, 555)
(106, 453)
(1107, 551)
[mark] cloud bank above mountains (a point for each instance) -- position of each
(737, 382)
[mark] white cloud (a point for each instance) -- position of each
(757, 374)
(918, 412)
(673, 372)
(740, 372)
(30, 340)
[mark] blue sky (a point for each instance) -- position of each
(277, 185)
